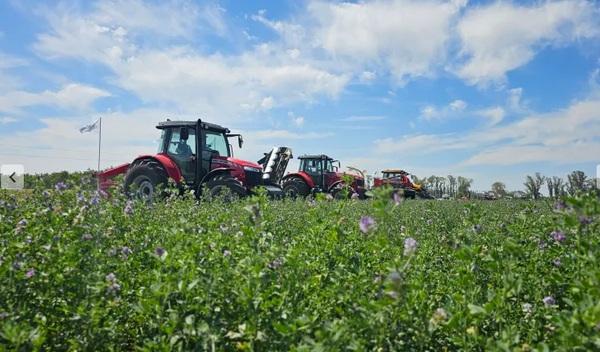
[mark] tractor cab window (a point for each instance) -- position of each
(216, 142)
(183, 148)
(311, 166)
(328, 165)
(161, 142)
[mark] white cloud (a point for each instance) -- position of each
(458, 105)
(71, 96)
(385, 33)
(6, 120)
(285, 135)
(367, 76)
(493, 115)
(566, 136)
(228, 86)
(431, 112)
(503, 36)
(363, 118)
(298, 121)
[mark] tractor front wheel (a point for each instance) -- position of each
(144, 178)
(226, 187)
(295, 187)
(342, 192)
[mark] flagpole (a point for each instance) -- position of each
(99, 142)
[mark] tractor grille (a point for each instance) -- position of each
(253, 178)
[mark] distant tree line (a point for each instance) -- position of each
(459, 186)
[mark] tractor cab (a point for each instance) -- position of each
(320, 168)
(195, 146)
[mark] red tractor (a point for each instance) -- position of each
(197, 155)
(399, 180)
(319, 173)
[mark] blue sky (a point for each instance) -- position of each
(484, 89)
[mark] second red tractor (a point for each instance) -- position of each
(320, 173)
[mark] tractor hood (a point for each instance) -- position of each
(354, 176)
(243, 163)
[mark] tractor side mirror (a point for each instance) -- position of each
(184, 134)
(240, 141)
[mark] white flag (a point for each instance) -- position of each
(90, 127)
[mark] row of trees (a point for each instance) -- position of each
(452, 186)
(576, 182)
(459, 186)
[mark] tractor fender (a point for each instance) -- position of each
(170, 167)
(337, 183)
(301, 175)
(215, 172)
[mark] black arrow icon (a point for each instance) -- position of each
(12, 177)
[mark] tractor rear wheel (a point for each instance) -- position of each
(295, 187)
(144, 178)
(226, 187)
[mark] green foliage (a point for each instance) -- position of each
(78, 272)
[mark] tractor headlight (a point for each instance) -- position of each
(252, 169)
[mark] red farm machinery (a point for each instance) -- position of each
(197, 155)
(399, 180)
(320, 174)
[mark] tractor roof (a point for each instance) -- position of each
(315, 156)
(394, 171)
(207, 125)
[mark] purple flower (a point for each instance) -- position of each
(80, 197)
(556, 262)
(542, 244)
(126, 251)
(585, 220)
(558, 236)
(429, 221)
(559, 205)
(355, 196)
(226, 253)
(16, 265)
(397, 198)
(549, 301)
(61, 186)
(111, 277)
(30, 273)
(160, 252)
(527, 308)
(95, 200)
(275, 264)
(366, 224)
(394, 277)
(87, 237)
(477, 228)
(114, 287)
(410, 246)
(128, 208)
(22, 223)
(46, 194)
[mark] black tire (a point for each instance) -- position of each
(224, 186)
(144, 177)
(342, 192)
(295, 187)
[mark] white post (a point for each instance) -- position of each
(99, 142)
